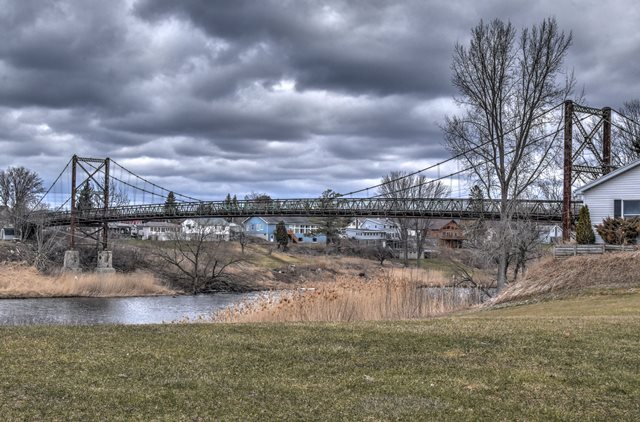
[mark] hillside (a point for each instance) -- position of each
(551, 278)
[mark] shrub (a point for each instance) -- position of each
(619, 231)
(584, 230)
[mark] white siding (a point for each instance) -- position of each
(600, 198)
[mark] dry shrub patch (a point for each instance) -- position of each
(390, 295)
(18, 281)
(549, 276)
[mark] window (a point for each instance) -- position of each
(259, 227)
(630, 208)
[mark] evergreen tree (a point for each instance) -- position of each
(584, 230)
(170, 204)
(330, 226)
(84, 200)
(282, 237)
(476, 199)
(227, 200)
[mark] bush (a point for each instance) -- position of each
(584, 230)
(619, 231)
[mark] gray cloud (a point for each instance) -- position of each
(289, 97)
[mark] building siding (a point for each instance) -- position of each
(600, 198)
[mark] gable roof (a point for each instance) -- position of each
(608, 176)
(213, 221)
(439, 223)
(287, 220)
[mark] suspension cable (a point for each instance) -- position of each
(468, 168)
(450, 158)
(155, 185)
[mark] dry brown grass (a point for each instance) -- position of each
(395, 294)
(18, 281)
(549, 276)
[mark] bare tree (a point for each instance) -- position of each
(379, 252)
(20, 189)
(505, 82)
(629, 133)
(238, 232)
(197, 261)
(403, 187)
(117, 196)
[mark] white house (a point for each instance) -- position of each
(372, 230)
(616, 194)
(550, 234)
(217, 228)
(157, 230)
(7, 233)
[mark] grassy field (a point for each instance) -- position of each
(572, 359)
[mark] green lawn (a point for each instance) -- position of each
(575, 359)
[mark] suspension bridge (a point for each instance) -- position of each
(121, 195)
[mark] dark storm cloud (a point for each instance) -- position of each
(284, 96)
(365, 46)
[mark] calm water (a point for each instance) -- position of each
(131, 310)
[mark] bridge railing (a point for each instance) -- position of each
(349, 207)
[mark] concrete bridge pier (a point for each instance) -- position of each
(105, 265)
(71, 261)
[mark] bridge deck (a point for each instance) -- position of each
(538, 210)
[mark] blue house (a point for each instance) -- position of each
(300, 229)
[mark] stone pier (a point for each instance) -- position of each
(105, 263)
(71, 261)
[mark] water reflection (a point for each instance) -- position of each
(131, 310)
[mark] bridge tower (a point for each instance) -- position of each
(594, 161)
(96, 172)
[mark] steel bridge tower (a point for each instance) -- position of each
(600, 162)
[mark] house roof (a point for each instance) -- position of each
(608, 176)
(380, 221)
(158, 224)
(214, 221)
(439, 223)
(287, 220)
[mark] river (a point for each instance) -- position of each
(123, 310)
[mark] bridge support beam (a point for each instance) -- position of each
(71, 261)
(568, 171)
(105, 265)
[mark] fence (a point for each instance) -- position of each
(565, 251)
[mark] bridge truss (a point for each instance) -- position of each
(539, 210)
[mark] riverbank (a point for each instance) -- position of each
(260, 267)
(552, 360)
(21, 282)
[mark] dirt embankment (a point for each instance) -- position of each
(550, 278)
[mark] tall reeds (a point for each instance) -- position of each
(392, 295)
(25, 282)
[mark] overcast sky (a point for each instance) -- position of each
(284, 97)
